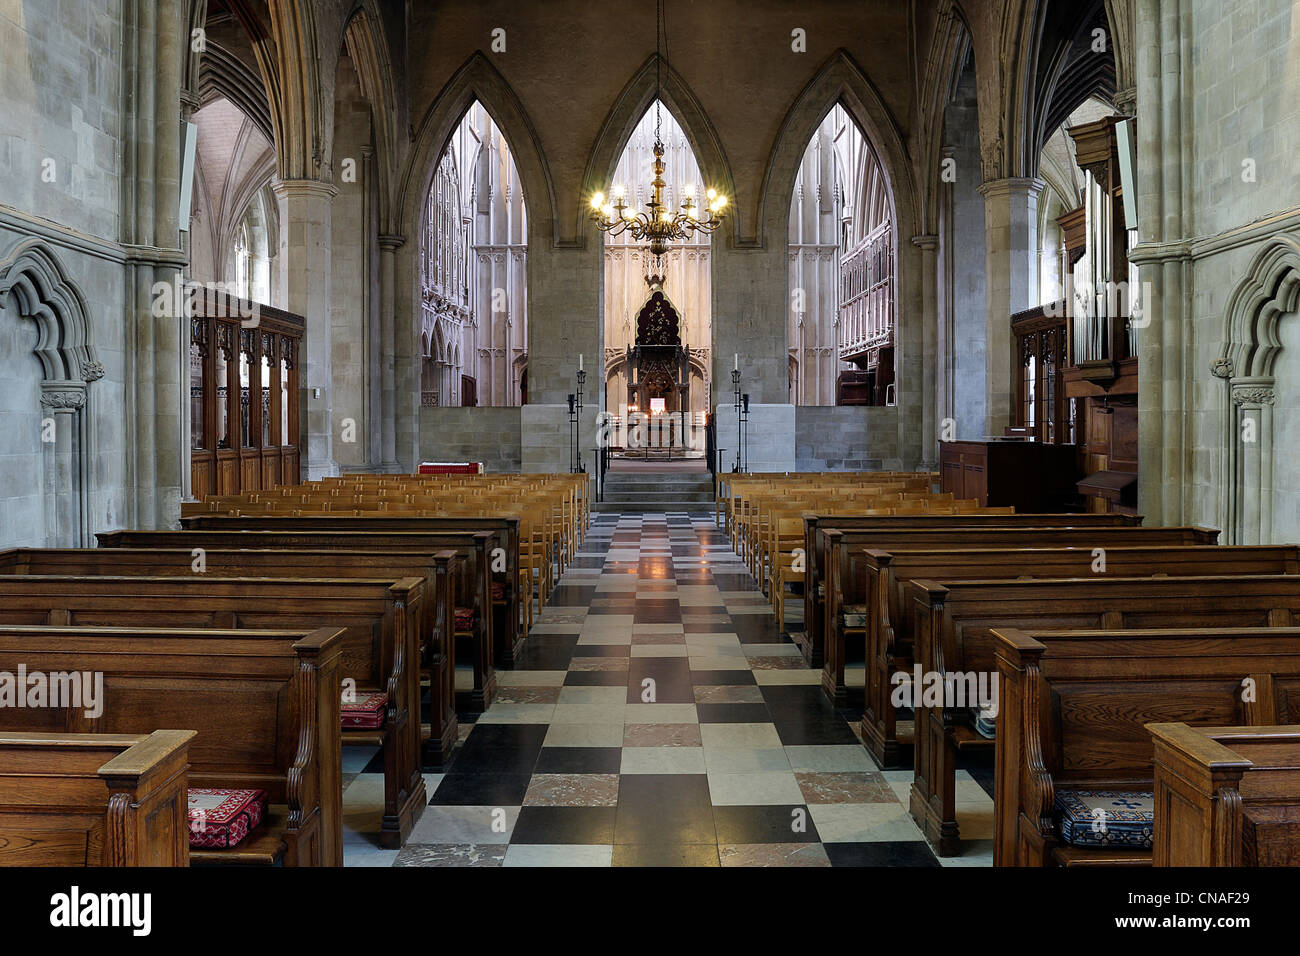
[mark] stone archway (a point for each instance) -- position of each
(34, 283)
(1247, 362)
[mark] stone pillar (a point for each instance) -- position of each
(388, 246)
(1164, 265)
(751, 303)
(929, 246)
(150, 234)
(1011, 256)
(63, 402)
(305, 255)
(566, 294)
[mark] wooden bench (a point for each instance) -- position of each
(1074, 708)
(954, 635)
(94, 799)
(1226, 796)
(264, 706)
(380, 646)
(842, 582)
(939, 528)
(435, 629)
(888, 629)
(476, 588)
(509, 634)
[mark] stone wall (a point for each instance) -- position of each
(1218, 188)
(60, 171)
(490, 435)
(846, 438)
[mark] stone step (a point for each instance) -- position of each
(706, 488)
(658, 507)
(656, 496)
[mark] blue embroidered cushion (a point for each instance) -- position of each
(1106, 817)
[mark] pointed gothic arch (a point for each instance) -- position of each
(626, 114)
(34, 282)
(477, 80)
(1247, 364)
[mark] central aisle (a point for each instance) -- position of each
(658, 718)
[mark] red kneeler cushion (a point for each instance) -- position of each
(498, 590)
(219, 819)
(366, 712)
(463, 620)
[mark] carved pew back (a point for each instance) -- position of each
(887, 573)
(508, 633)
(264, 706)
(435, 569)
(380, 620)
(954, 625)
(1075, 704)
(1226, 796)
(94, 799)
(945, 532)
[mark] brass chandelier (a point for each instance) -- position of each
(659, 225)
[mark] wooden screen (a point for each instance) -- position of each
(244, 396)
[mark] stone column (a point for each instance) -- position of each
(1164, 264)
(566, 288)
(150, 234)
(929, 246)
(388, 246)
(751, 303)
(305, 254)
(1011, 255)
(63, 401)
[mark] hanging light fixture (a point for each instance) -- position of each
(659, 225)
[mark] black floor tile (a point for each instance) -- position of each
(672, 677)
(733, 713)
(665, 854)
(714, 678)
(664, 808)
(595, 679)
(571, 595)
(564, 825)
(601, 650)
(481, 789)
(579, 760)
(778, 824)
(909, 853)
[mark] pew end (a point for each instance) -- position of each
(114, 800)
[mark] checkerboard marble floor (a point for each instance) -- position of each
(659, 718)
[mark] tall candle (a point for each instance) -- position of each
(579, 361)
(737, 366)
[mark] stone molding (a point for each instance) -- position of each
(63, 396)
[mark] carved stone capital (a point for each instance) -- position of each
(63, 396)
(1252, 395)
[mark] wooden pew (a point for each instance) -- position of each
(435, 628)
(509, 634)
(1074, 707)
(888, 628)
(1226, 796)
(380, 645)
(940, 529)
(841, 581)
(264, 706)
(954, 635)
(476, 588)
(94, 799)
